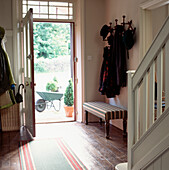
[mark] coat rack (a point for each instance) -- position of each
(114, 67)
(124, 23)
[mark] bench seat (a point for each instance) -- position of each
(106, 112)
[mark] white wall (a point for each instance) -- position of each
(6, 23)
(94, 20)
(98, 13)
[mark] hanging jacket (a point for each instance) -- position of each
(104, 71)
(113, 72)
(7, 97)
(119, 52)
(4, 79)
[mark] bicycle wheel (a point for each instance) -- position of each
(40, 105)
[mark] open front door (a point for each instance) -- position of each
(28, 57)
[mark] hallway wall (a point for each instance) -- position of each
(6, 23)
(98, 13)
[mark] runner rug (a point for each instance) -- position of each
(48, 154)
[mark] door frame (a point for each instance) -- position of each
(79, 24)
(145, 23)
(73, 57)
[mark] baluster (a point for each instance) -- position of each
(131, 117)
(159, 82)
(137, 114)
(145, 103)
(151, 94)
(166, 75)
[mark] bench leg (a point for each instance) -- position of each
(100, 121)
(86, 117)
(107, 128)
(124, 127)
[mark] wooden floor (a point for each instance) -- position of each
(88, 142)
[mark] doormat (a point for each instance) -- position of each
(48, 154)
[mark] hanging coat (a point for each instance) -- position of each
(113, 72)
(7, 97)
(119, 53)
(104, 71)
(4, 79)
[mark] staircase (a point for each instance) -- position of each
(148, 118)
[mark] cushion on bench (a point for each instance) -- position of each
(105, 111)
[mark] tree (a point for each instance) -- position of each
(51, 39)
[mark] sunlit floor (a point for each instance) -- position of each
(87, 141)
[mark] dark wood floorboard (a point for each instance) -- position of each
(87, 141)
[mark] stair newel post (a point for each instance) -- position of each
(166, 75)
(131, 117)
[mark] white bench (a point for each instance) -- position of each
(106, 111)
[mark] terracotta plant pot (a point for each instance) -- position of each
(69, 111)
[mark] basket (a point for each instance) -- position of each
(10, 120)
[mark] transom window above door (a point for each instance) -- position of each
(48, 9)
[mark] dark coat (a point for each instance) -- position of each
(113, 72)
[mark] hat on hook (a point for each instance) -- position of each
(128, 39)
(2, 32)
(104, 31)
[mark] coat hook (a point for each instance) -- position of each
(116, 21)
(123, 23)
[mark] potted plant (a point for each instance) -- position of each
(52, 85)
(68, 100)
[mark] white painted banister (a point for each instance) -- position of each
(131, 121)
(145, 103)
(166, 75)
(151, 94)
(152, 53)
(137, 114)
(143, 108)
(159, 82)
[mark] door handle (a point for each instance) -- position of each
(27, 84)
(29, 56)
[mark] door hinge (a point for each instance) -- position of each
(75, 59)
(22, 70)
(76, 80)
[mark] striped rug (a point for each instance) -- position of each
(48, 154)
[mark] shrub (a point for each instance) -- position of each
(68, 96)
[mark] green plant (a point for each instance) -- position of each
(68, 96)
(53, 85)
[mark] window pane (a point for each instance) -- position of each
(36, 16)
(62, 10)
(24, 9)
(33, 2)
(70, 17)
(52, 16)
(70, 11)
(58, 3)
(32, 6)
(43, 16)
(52, 10)
(43, 9)
(24, 2)
(55, 10)
(62, 17)
(43, 3)
(35, 9)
